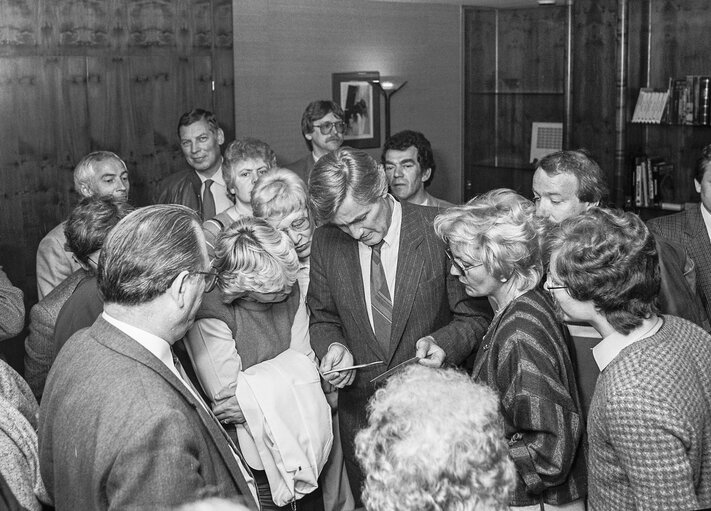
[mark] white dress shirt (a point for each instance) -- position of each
(707, 219)
(218, 190)
(388, 256)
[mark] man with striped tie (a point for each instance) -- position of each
(202, 186)
(380, 288)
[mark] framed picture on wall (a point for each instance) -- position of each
(360, 101)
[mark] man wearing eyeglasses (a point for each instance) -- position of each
(121, 426)
(569, 183)
(322, 126)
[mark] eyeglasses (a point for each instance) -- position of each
(551, 288)
(462, 267)
(210, 279)
(326, 127)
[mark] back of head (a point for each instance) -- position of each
(252, 256)
(90, 222)
(342, 172)
(147, 250)
(610, 258)
(434, 440)
(195, 115)
(317, 110)
(84, 170)
(503, 225)
(278, 194)
(402, 140)
(592, 186)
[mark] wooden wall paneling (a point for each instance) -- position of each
(532, 49)
(224, 93)
(514, 75)
(594, 65)
(9, 131)
(143, 72)
(680, 38)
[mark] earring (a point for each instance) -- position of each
(504, 279)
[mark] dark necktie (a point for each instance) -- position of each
(380, 301)
(208, 202)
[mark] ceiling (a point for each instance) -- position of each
(501, 4)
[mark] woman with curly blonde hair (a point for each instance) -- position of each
(254, 314)
(495, 249)
(434, 441)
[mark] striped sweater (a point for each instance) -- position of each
(525, 359)
(650, 423)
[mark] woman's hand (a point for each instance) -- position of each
(228, 411)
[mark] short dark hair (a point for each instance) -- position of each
(407, 138)
(608, 257)
(591, 180)
(341, 172)
(703, 164)
(147, 250)
(90, 222)
(315, 111)
(198, 114)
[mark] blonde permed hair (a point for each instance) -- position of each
(252, 256)
(434, 441)
(503, 225)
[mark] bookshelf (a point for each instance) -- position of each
(668, 42)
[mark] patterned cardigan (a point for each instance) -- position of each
(650, 423)
(525, 359)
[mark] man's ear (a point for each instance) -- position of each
(697, 186)
(220, 136)
(426, 175)
(178, 287)
(308, 136)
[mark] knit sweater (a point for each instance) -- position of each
(650, 423)
(524, 358)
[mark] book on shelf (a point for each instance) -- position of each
(651, 105)
(689, 100)
(653, 182)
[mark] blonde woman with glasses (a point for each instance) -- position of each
(495, 252)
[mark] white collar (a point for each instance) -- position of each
(157, 346)
(393, 234)
(610, 347)
(217, 178)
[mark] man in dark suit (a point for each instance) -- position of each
(690, 229)
(370, 248)
(322, 127)
(120, 425)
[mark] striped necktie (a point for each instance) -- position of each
(380, 301)
(208, 201)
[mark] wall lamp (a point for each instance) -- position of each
(388, 86)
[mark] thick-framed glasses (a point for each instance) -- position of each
(462, 267)
(326, 127)
(210, 279)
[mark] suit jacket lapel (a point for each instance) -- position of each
(351, 278)
(698, 246)
(409, 270)
(118, 341)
